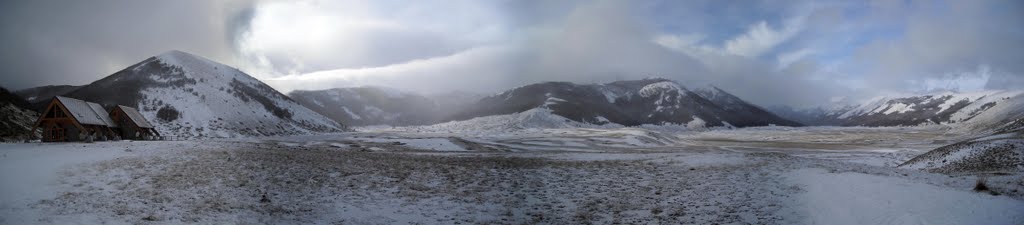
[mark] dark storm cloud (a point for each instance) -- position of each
(76, 42)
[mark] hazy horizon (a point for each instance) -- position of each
(796, 53)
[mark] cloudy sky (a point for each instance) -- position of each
(770, 52)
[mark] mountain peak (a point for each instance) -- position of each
(187, 60)
(662, 87)
(656, 79)
(176, 54)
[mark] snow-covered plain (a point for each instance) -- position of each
(857, 198)
(562, 175)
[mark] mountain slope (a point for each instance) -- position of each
(1003, 152)
(630, 103)
(742, 112)
(40, 96)
(976, 110)
(537, 118)
(190, 96)
(360, 106)
(921, 109)
(15, 117)
(1002, 115)
(808, 116)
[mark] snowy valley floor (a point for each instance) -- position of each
(816, 175)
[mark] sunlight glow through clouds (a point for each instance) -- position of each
(296, 37)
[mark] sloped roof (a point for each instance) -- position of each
(135, 116)
(102, 113)
(83, 112)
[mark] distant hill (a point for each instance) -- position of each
(976, 111)
(40, 96)
(360, 106)
(629, 103)
(190, 96)
(15, 116)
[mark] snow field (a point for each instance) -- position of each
(30, 172)
(542, 176)
(855, 198)
(229, 185)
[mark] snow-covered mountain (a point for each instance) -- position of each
(190, 96)
(630, 103)
(359, 106)
(1000, 115)
(923, 109)
(15, 117)
(745, 113)
(983, 109)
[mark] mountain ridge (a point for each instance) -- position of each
(191, 96)
(946, 108)
(374, 105)
(630, 103)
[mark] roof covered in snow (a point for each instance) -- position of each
(102, 114)
(135, 116)
(84, 112)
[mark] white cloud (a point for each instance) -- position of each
(678, 42)
(785, 59)
(816, 47)
(597, 42)
(938, 43)
(478, 69)
(761, 38)
(970, 80)
(291, 37)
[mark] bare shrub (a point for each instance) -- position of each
(168, 113)
(980, 186)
